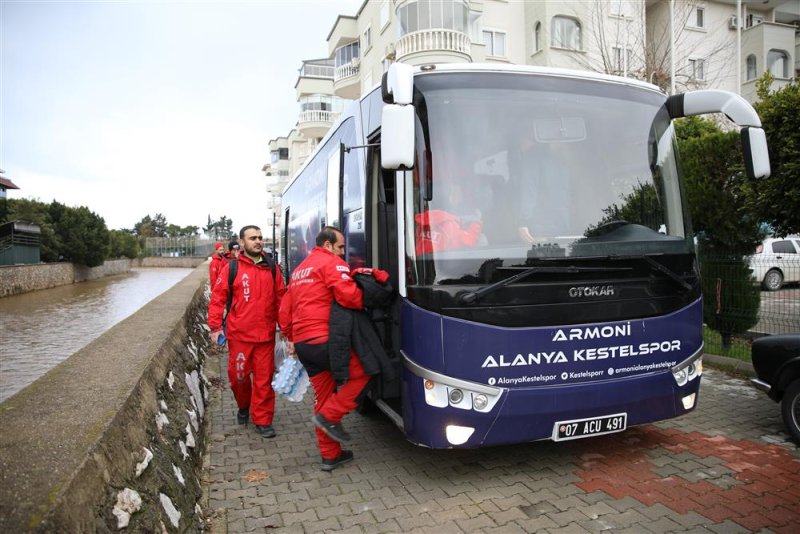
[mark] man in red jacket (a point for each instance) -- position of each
(304, 314)
(217, 260)
(250, 328)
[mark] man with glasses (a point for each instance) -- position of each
(256, 292)
(304, 318)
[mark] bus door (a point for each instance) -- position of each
(383, 247)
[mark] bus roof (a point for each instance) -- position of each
(434, 68)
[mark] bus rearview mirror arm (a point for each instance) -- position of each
(737, 109)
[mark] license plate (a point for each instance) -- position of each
(592, 426)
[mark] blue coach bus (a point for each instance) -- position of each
(534, 224)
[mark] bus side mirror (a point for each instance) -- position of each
(397, 137)
(397, 84)
(756, 155)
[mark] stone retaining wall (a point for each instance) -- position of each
(17, 279)
(124, 416)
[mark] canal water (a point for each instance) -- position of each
(42, 328)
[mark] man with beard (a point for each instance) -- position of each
(256, 292)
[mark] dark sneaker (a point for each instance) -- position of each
(242, 416)
(343, 458)
(334, 430)
(266, 431)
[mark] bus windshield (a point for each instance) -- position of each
(516, 170)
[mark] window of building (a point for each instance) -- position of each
(495, 42)
(432, 14)
(367, 38)
(751, 67)
(566, 33)
(385, 11)
(778, 63)
(697, 69)
(537, 37)
(620, 58)
(279, 154)
(621, 8)
(698, 16)
(345, 54)
(321, 103)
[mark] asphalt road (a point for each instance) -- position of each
(726, 467)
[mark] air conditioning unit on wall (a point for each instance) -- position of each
(732, 23)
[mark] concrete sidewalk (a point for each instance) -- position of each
(727, 467)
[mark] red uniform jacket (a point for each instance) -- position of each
(214, 267)
(256, 300)
(316, 282)
(440, 230)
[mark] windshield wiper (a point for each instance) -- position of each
(471, 296)
(669, 273)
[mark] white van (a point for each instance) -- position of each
(777, 262)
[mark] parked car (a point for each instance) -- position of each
(777, 262)
(776, 360)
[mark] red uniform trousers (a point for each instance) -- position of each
(336, 402)
(256, 359)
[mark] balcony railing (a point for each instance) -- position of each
(316, 115)
(433, 40)
(345, 71)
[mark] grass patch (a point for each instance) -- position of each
(738, 349)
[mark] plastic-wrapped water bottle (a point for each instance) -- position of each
(300, 387)
(287, 376)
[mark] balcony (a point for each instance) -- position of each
(316, 123)
(433, 46)
(346, 80)
(757, 41)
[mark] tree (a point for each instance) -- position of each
(777, 199)
(83, 233)
(717, 191)
(221, 229)
(717, 188)
(123, 244)
(151, 227)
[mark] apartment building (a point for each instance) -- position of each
(623, 37)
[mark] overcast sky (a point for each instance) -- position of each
(138, 107)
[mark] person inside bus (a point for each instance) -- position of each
(457, 224)
(540, 186)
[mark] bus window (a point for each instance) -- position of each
(334, 200)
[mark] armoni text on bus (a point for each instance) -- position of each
(534, 224)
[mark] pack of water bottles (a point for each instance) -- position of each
(291, 380)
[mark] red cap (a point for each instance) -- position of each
(219, 245)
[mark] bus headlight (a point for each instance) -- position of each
(442, 395)
(681, 376)
(689, 369)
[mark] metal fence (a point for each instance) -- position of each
(731, 300)
(178, 246)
